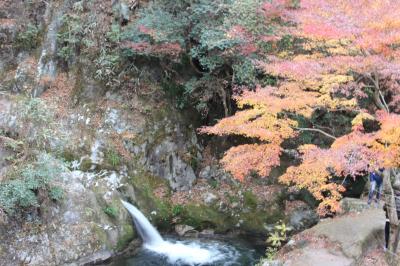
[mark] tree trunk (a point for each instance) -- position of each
(390, 201)
(389, 177)
(224, 100)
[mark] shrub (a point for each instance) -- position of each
(194, 36)
(28, 38)
(75, 34)
(20, 191)
(36, 121)
(275, 241)
(56, 193)
(106, 64)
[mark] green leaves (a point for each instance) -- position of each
(111, 211)
(28, 38)
(21, 192)
(276, 240)
(37, 120)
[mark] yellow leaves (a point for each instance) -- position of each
(357, 122)
(325, 82)
(314, 177)
(388, 139)
(334, 103)
(306, 148)
(254, 123)
(319, 48)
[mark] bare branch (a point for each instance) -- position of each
(316, 130)
(384, 102)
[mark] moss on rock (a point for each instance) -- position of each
(127, 234)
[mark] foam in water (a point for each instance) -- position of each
(177, 252)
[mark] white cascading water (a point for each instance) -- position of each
(188, 254)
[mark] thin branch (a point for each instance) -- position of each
(378, 93)
(316, 130)
(384, 102)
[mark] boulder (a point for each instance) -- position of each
(349, 205)
(182, 229)
(207, 232)
(300, 220)
(342, 240)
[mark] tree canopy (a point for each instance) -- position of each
(342, 60)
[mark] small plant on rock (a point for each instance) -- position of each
(275, 241)
(111, 211)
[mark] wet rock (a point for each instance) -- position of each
(272, 263)
(93, 259)
(80, 231)
(182, 229)
(207, 232)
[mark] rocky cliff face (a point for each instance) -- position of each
(112, 141)
(119, 135)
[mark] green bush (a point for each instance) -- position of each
(37, 122)
(250, 199)
(28, 38)
(193, 39)
(20, 191)
(75, 34)
(69, 38)
(56, 193)
(107, 66)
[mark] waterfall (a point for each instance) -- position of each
(145, 229)
(177, 253)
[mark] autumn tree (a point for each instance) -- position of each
(341, 60)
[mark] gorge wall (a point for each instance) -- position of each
(118, 136)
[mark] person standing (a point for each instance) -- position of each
(376, 180)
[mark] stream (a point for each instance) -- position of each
(157, 251)
(233, 252)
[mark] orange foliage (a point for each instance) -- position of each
(313, 176)
(371, 24)
(344, 49)
(244, 158)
